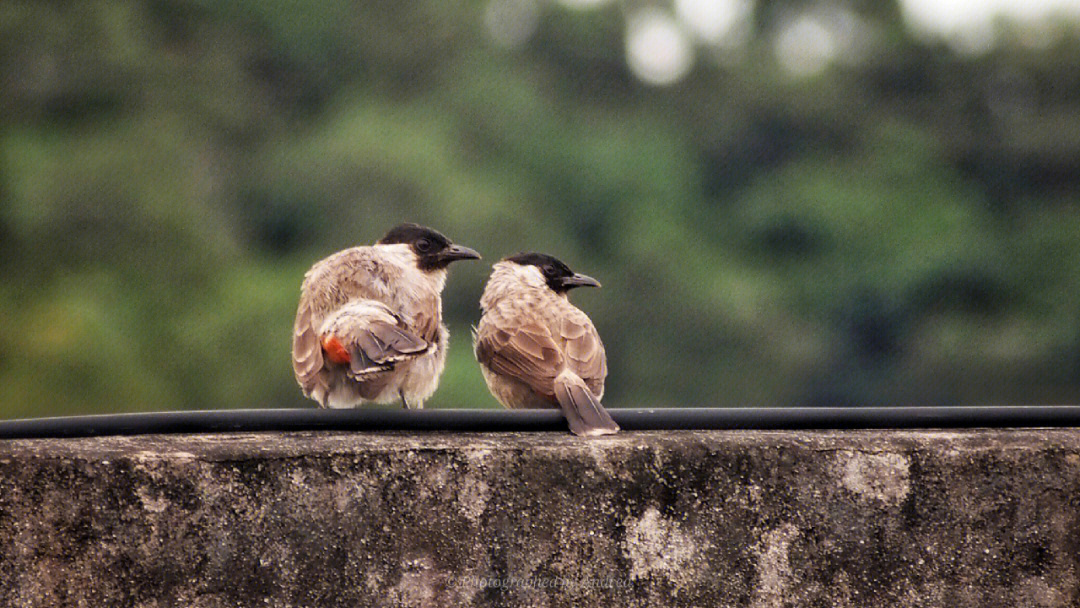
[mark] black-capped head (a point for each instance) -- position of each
(558, 276)
(433, 250)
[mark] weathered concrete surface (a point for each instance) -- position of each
(739, 518)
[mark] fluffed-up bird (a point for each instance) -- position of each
(369, 324)
(536, 349)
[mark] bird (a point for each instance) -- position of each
(538, 350)
(369, 323)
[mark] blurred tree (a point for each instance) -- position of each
(896, 225)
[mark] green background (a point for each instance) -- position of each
(901, 228)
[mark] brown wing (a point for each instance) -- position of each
(307, 356)
(374, 345)
(321, 293)
(524, 352)
(584, 351)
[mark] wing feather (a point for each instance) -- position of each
(584, 351)
(375, 345)
(307, 351)
(526, 353)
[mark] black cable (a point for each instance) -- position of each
(492, 420)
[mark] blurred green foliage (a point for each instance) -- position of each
(901, 229)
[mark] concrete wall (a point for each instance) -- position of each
(717, 518)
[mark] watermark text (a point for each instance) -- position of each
(540, 582)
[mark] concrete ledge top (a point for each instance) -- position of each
(679, 518)
(216, 446)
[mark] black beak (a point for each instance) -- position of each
(454, 253)
(579, 280)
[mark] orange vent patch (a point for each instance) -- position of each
(334, 350)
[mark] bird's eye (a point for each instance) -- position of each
(423, 245)
(549, 270)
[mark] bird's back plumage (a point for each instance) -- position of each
(536, 349)
(369, 328)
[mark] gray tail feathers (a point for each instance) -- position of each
(582, 409)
